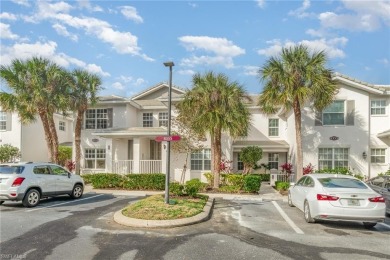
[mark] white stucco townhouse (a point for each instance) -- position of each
(30, 138)
(119, 134)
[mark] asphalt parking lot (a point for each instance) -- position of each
(238, 229)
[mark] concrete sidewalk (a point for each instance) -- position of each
(267, 193)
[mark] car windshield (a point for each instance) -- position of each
(5, 169)
(342, 183)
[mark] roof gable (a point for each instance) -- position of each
(157, 91)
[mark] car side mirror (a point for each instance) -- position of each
(69, 174)
(292, 184)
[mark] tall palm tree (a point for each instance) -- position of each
(216, 105)
(84, 92)
(292, 80)
(37, 86)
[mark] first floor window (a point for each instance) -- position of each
(3, 120)
(378, 155)
(240, 163)
(201, 160)
(147, 119)
(95, 158)
(62, 126)
(163, 119)
(334, 113)
(273, 160)
(332, 158)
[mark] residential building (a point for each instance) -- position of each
(353, 132)
(30, 138)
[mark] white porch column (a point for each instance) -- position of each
(136, 154)
(109, 155)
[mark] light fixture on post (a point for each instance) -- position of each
(169, 64)
(364, 154)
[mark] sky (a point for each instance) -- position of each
(127, 42)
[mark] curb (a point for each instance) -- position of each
(135, 222)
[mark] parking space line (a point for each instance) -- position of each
(64, 203)
(287, 219)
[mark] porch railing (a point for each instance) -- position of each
(145, 166)
(150, 166)
(123, 167)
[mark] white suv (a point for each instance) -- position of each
(29, 182)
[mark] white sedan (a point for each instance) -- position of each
(337, 197)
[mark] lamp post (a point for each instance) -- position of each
(169, 64)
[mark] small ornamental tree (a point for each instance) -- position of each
(250, 156)
(287, 169)
(9, 153)
(308, 169)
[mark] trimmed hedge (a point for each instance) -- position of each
(282, 185)
(147, 181)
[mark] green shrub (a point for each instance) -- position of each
(9, 153)
(344, 171)
(145, 181)
(176, 189)
(282, 185)
(234, 180)
(230, 189)
(105, 180)
(210, 178)
(265, 177)
(252, 183)
(64, 154)
(193, 187)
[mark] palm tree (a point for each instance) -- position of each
(37, 87)
(85, 88)
(291, 81)
(216, 105)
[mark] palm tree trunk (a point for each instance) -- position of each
(46, 128)
(217, 157)
(298, 136)
(77, 138)
(54, 136)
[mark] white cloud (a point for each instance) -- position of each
(130, 13)
(193, 5)
(125, 79)
(61, 30)
(121, 42)
(118, 85)
(384, 61)
(21, 2)
(139, 82)
(301, 11)
(8, 16)
(332, 47)
(362, 16)
(5, 32)
(186, 72)
(260, 3)
(47, 50)
(223, 50)
(251, 70)
(87, 5)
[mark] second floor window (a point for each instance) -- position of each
(3, 120)
(201, 160)
(273, 127)
(378, 107)
(96, 118)
(147, 119)
(62, 126)
(163, 119)
(378, 155)
(334, 114)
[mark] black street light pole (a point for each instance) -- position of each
(169, 64)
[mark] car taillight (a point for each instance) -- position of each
(326, 197)
(18, 181)
(377, 199)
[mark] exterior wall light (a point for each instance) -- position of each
(364, 155)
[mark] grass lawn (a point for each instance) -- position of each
(154, 208)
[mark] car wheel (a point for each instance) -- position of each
(306, 211)
(369, 225)
(1, 202)
(31, 199)
(289, 201)
(77, 191)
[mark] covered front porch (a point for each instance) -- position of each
(134, 150)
